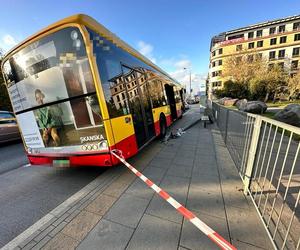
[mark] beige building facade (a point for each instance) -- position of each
(277, 41)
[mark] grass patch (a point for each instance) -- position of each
(281, 104)
(269, 114)
(231, 107)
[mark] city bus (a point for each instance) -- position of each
(78, 92)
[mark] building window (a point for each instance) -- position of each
(296, 26)
(118, 98)
(296, 51)
(283, 39)
(260, 44)
(220, 51)
(220, 62)
(250, 45)
(216, 73)
(271, 66)
(239, 47)
(273, 41)
(281, 53)
(294, 65)
(259, 33)
(236, 36)
(297, 37)
(272, 30)
(250, 35)
(271, 55)
(281, 28)
(116, 89)
(217, 84)
(123, 96)
(213, 64)
(213, 53)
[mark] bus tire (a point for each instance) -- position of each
(162, 126)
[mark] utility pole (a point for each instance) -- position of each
(190, 83)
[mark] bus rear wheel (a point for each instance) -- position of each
(163, 127)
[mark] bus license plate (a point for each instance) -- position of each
(61, 163)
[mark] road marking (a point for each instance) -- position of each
(26, 165)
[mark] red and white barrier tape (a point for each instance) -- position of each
(215, 237)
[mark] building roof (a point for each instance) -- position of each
(263, 24)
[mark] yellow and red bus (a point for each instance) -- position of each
(78, 92)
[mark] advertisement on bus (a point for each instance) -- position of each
(53, 93)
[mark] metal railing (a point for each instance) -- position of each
(266, 154)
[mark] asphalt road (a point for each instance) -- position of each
(12, 156)
(29, 193)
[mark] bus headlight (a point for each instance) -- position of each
(103, 145)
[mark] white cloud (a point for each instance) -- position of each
(7, 41)
(146, 49)
(184, 63)
(183, 69)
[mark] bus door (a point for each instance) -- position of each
(139, 103)
(171, 100)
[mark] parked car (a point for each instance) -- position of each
(190, 101)
(9, 130)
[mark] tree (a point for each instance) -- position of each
(268, 80)
(241, 68)
(254, 73)
(294, 85)
(232, 89)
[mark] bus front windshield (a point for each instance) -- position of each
(53, 93)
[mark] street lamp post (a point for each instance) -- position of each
(190, 80)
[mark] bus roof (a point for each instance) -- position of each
(93, 24)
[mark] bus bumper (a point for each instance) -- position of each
(98, 160)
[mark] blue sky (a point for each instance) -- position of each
(174, 34)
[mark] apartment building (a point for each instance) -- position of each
(278, 41)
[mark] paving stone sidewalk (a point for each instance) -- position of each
(123, 213)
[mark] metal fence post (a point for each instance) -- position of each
(226, 126)
(252, 152)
